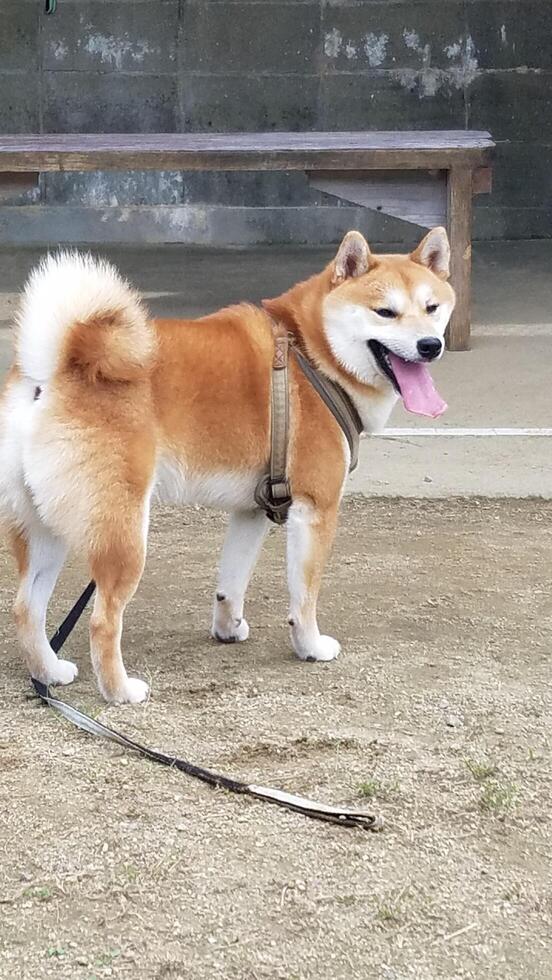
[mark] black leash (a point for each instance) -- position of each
(72, 618)
(300, 804)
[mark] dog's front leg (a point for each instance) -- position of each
(310, 536)
(244, 538)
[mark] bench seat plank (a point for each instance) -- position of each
(245, 151)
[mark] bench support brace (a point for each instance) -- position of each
(459, 193)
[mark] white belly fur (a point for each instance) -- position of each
(228, 490)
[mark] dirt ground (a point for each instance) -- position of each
(438, 715)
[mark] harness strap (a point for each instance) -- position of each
(273, 491)
(338, 402)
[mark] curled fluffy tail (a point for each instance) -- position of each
(78, 314)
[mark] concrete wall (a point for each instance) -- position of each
(212, 65)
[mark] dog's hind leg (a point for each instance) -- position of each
(244, 538)
(310, 535)
(39, 555)
(117, 562)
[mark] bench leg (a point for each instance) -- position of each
(460, 230)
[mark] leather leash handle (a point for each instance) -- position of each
(299, 804)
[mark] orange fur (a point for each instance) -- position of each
(210, 373)
(128, 392)
(100, 348)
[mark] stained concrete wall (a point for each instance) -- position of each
(216, 65)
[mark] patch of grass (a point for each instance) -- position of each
(326, 742)
(368, 789)
(480, 769)
(345, 900)
(55, 951)
(130, 872)
(372, 788)
(388, 914)
(392, 911)
(513, 893)
(497, 797)
(42, 893)
(173, 971)
(106, 958)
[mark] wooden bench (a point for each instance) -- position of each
(426, 178)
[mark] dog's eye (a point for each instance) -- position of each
(386, 313)
(432, 308)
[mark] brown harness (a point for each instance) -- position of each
(273, 491)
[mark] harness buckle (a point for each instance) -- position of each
(274, 497)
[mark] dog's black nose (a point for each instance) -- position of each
(429, 348)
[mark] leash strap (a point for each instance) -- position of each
(299, 804)
(72, 618)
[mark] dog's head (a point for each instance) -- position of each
(385, 316)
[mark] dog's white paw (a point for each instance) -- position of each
(235, 632)
(63, 672)
(134, 691)
(323, 648)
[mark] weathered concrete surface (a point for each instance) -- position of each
(195, 224)
(147, 104)
(111, 65)
(115, 37)
(441, 467)
(503, 382)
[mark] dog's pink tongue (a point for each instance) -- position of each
(417, 389)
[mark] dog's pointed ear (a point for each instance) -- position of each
(273, 307)
(353, 258)
(434, 252)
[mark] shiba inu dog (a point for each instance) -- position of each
(106, 409)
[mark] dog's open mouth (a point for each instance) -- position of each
(411, 380)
